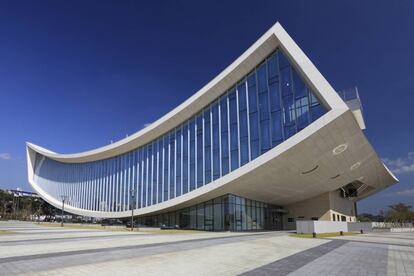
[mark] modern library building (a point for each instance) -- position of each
(265, 143)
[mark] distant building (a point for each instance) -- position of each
(22, 193)
(265, 143)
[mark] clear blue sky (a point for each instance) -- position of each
(75, 75)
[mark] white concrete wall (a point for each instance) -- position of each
(304, 226)
(402, 229)
(310, 226)
(330, 226)
(358, 226)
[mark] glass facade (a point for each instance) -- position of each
(225, 213)
(260, 111)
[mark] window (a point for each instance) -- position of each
(243, 127)
(216, 141)
(149, 177)
(263, 108)
(178, 138)
(302, 112)
(140, 177)
(234, 136)
(224, 137)
(200, 150)
(154, 172)
(185, 158)
(200, 216)
(160, 171)
(316, 110)
(192, 155)
(172, 164)
(166, 167)
(253, 116)
(145, 178)
(333, 217)
(207, 146)
(301, 101)
(290, 219)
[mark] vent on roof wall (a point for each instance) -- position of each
(352, 189)
(311, 170)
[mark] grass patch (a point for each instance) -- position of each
(6, 232)
(78, 226)
(322, 235)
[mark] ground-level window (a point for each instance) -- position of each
(290, 219)
(333, 217)
(315, 218)
(343, 218)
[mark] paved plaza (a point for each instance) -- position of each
(31, 249)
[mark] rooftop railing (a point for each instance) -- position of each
(351, 97)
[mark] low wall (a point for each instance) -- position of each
(358, 226)
(407, 229)
(389, 225)
(329, 226)
(320, 226)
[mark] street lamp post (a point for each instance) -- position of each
(63, 209)
(132, 209)
(17, 206)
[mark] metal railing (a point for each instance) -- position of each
(351, 97)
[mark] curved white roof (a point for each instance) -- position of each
(273, 38)
(277, 174)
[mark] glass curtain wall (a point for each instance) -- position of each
(263, 109)
(225, 213)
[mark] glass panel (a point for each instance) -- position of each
(193, 217)
(160, 168)
(218, 217)
(172, 164)
(209, 219)
(200, 150)
(192, 155)
(178, 163)
(216, 142)
(145, 180)
(200, 216)
(185, 159)
(243, 127)
(207, 146)
(154, 172)
(224, 137)
(263, 108)
(166, 166)
(234, 136)
(316, 109)
(150, 176)
(289, 116)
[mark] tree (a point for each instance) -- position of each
(364, 218)
(6, 207)
(400, 213)
(400, 207)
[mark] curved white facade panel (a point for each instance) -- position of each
(269, 128)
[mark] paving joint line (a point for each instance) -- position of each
(121, 248)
